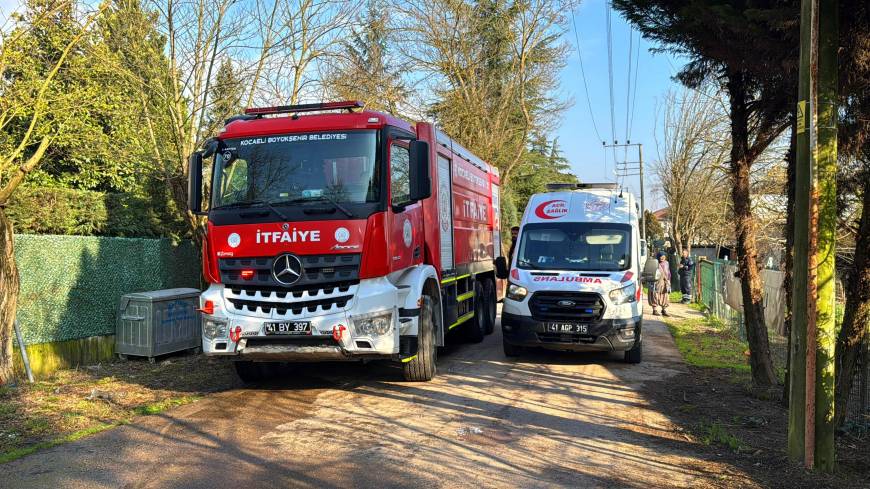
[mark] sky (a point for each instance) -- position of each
(577, 137)
(576, 133)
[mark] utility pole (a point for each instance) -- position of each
(826, 194)
(797, 402)
(628, 169)
(811, 375)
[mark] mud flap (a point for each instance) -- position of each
(408, 347)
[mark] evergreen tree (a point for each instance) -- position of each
(366, 69)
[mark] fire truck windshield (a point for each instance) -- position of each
(338, 167)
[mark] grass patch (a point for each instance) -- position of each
(708, 343)
(75, 403)
(717, 434)
(17, 453)
(160, 406)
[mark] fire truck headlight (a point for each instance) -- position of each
(624, 295)
(212, 328)
(517, 292)
(374, 324)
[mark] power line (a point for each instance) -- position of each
(583, 76)
(628, 83)
(610, 72)
(634, 96)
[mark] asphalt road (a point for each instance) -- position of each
(544, 420)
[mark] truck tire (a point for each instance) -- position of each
(510, 350)
(249, 371)
(421, 367)
(489, 306)
(475, 330)
(635, 355)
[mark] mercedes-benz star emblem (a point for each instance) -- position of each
(287, 269)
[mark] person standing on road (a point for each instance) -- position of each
(687, 266)
(662, 288)
(515, 231)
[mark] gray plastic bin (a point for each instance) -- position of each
(158, 322)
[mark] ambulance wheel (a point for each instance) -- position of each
(489, 306)
(251, 371)
(475, 330)
(635, 355)
(421, 367)
(511, 350)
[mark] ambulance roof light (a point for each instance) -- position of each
(554, 187)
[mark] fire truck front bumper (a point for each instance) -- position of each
(367, 326)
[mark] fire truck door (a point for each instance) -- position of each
(406, 230)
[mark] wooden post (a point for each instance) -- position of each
(826, 192)
(798, 353)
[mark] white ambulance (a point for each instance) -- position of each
(574, 279)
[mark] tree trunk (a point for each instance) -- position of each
(857, 314)
(8, 297)
(788, 257)
(760, 362)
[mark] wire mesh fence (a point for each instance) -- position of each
(718, 289)
(858, 409)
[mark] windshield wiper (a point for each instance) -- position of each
(302, 200)
(256, 202)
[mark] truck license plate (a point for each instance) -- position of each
(567, 328)
(289, 327)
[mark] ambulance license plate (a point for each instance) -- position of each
(288, 327)
(567, 328)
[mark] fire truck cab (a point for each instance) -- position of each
(336, 233)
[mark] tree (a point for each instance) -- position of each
(654, 229)
(366, 69)
(691, 151)
(32, 101)
(854, 136)
(493, 68)
(226, 96)
(748, 48)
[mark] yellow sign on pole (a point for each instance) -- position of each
(801, 116)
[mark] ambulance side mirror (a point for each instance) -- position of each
(420, 179)
(194, 183)
(501, 268)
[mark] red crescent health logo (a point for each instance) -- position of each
(552, 209)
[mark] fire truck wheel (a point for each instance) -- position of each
(489, 306)
(250, 371)
(476, 328)
(421, 368)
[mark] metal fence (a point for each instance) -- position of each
(858, 409)
(719, 290)
(712, 291)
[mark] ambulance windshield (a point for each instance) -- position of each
(575, 246)
(295, 168)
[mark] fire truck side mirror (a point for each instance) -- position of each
(421, 182)
(194, 183)
(501, 267)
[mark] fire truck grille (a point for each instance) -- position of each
(273, 303)
(566, 306)
(318, 270)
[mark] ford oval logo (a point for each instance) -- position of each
(567, 303)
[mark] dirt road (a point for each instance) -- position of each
(544, 420)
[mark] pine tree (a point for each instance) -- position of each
(367, 69)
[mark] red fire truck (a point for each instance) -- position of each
(336, 233)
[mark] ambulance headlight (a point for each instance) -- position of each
(624, 295)
(516, 292)
(374, 324)
(212, 328)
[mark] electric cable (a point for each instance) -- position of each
(583, 76)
